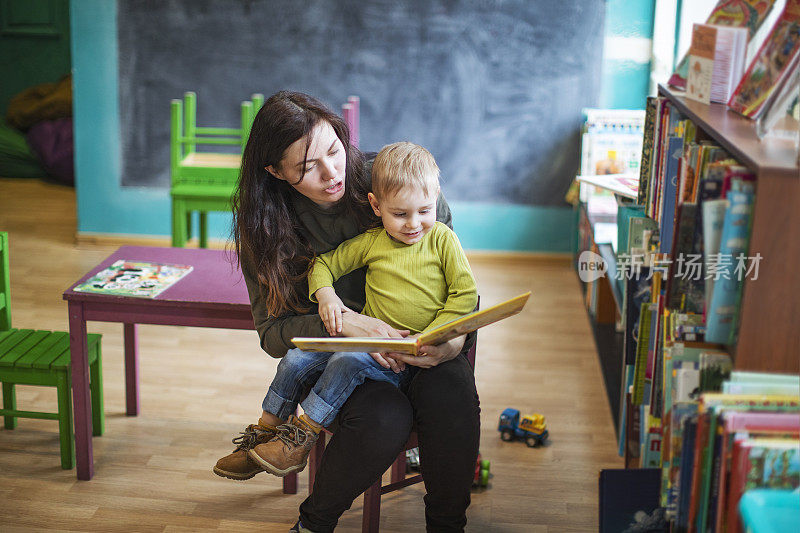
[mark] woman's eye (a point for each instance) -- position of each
(424, 211)
(334, 151)
(399, 215)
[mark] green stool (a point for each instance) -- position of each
(39, 357)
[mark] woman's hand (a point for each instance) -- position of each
(358, 325)
(430, 356)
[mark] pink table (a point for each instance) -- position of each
(213, 295)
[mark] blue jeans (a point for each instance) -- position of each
(331, 378)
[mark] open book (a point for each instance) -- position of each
(624, 184)
(445, 332)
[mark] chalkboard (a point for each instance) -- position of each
(493, 89)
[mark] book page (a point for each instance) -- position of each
(474, 320)
(445, 332)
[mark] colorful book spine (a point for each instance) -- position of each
(645, 316)
(674, 153)
(713, 219)
(645, 167)
(737, 425)
(722, 313)
(761, 463)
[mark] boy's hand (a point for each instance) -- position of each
(330, 310)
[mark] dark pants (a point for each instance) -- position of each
(373, 426)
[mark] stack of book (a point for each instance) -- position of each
(717, 445)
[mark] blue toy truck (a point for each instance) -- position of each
(532, 428)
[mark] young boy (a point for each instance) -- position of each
(418, 278)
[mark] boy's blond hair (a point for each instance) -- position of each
(402, 165)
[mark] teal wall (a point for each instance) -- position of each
(105, 207)
(626, 63)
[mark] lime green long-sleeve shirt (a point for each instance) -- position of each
(415, 287)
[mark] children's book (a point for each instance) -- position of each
(748, 14)
(739, 426)
(650, 455)
(626, 185)
(642, 350)
(711, 406)
(761, 463)
(646, 166)
(716, 62)
(445, 332)
(770, 65)
(674, 153)
(740, 376)
(715, 367)
(134, 278)
(637, 225)
(713, 218)
(685, 473)
(682, 243)
(722, 314)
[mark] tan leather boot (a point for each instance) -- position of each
(288, 451)
(238, 464)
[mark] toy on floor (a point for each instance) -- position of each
(532, 428)
(481, 479)
(482, 466)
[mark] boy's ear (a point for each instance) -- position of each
(373, 201)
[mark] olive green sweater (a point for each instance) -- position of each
(415, 287)
(324, 229)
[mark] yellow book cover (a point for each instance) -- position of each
(445, 332)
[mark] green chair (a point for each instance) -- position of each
(40, 357)
(203, 181)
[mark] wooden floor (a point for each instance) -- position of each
(199, 387)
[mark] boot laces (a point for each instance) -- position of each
(291, 434)
(247, 439)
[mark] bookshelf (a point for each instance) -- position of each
(769, 321)
(769, 331)
(603, 302)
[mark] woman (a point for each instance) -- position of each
(302, 191)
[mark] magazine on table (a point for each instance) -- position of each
(140, 279)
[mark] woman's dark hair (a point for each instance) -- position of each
(265, 227)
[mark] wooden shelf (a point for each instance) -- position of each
(769, 323)
(737, 134)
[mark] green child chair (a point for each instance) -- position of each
(203, 181)
(40, 357)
